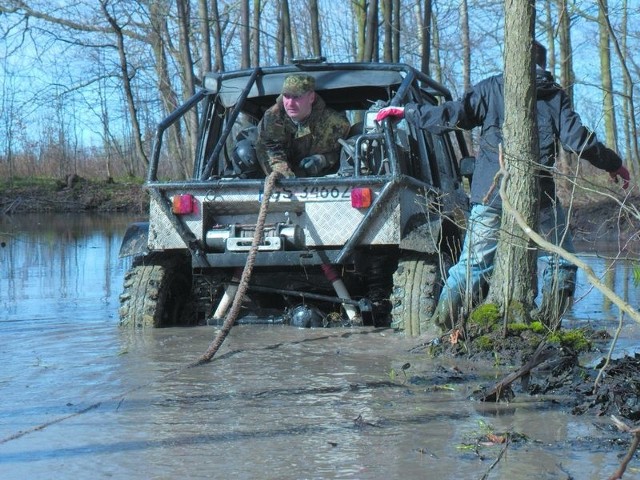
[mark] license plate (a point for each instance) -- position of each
(311, 193)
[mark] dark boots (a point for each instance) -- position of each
(557, 295)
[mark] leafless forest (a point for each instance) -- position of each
(85, 82)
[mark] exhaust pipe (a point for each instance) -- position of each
(341, 290)
(227, 297)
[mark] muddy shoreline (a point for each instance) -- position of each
(74, 194)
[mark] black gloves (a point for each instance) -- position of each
(314, 164)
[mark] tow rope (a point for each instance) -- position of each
(246, 274)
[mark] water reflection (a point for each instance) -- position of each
(55, 265)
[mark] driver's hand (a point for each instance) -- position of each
(314, 164)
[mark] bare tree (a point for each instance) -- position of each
(255, 34)
(396, 30)
(188, 84)
(633, 152)
(466, 54)
(371, 32)
(8, 117)
(567, 76)
(314, 14)
(158, 36)
(425, 38)
(604, 47)
(548, 32)
(217, 36)
(466, 44)
(245, 36)
(359, 8)
(515, 262)
(285, 44)
(387, 24)
(205, 36)
(366, 14)
(126, 80)
(567, 162)
(435, 50)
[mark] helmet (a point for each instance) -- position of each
(245, 161)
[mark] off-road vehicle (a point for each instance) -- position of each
(368, 242)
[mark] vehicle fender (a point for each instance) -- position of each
(420, 235)
(135, 240)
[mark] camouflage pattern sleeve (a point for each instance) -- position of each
(333, 126)
(272, 143)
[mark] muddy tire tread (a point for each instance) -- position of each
(416, 283)
(152, 294)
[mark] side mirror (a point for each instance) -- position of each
(467, 165)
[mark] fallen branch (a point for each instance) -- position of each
(623, 427)
(539, 356)
(495, 462)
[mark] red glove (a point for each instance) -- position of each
(622, 172)
(395, 112)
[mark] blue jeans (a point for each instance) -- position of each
(470, 276)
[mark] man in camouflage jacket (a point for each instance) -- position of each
(298, 136)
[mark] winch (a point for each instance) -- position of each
(238, 238)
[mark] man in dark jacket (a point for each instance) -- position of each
(483, 106)
(298, 136)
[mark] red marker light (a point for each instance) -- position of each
(361, 197)
(182, 204)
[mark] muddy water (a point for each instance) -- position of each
(82, 399)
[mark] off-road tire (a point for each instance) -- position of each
(416, 285)
(155, 293)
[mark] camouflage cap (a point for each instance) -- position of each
(296, 85)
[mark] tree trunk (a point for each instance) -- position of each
(360, 14)
(286, 22)
(188, 87)
(316, 43)
(371, 32)
(608, 106)
(280, 34)
(396, 31)
(245, 38)
(622, 57)
(567, 77)
(567, 162)
(158, 38)
(217, 37)
(627, 87)
(465, 39)
(387, 16)
(425, 38)
(126, 85)
(466, 56)
(205, 40)
(515, 262)
(284, 43)
(255, 34)
(435, 50)
(550, 32)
